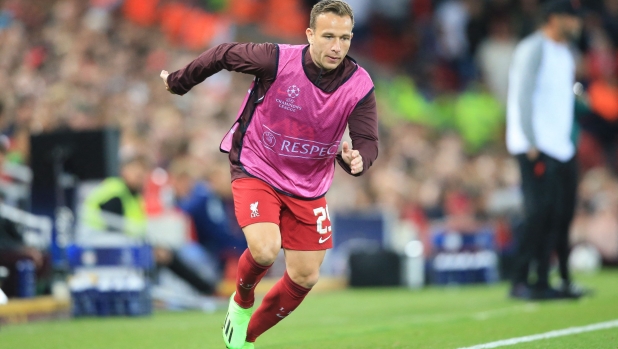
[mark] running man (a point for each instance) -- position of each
(281, 152)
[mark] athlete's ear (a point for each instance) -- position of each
(309, 33)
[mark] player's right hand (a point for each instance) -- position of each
(164, 75)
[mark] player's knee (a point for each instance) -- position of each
(306, 279)
(265, 254)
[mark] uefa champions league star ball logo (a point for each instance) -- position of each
(293, 91)
(269, 139)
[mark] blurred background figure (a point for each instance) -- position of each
(541, 109)
(208, 204)
(120, 197)
(13, 249)
(116, 206)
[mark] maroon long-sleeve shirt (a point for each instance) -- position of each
(261, 61)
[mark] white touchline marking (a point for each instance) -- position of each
(551, 334)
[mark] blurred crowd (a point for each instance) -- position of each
(440, 69)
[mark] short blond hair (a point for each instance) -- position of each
(338, 7)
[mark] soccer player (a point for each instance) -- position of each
(282, 150)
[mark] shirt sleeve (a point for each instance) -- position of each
(363, 124)
(249, 58)
(525, 72)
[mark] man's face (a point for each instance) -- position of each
(330, 40)
(570, 27)
(134, 175)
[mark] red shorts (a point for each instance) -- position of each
(304, 224)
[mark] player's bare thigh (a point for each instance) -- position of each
(264, 241)
(304, 266)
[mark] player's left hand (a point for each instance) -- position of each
(352, 158)
(164, 75)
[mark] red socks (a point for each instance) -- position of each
(249, 274)
(278, 303)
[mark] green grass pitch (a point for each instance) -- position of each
(357, 318)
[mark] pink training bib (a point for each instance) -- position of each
(293, 137)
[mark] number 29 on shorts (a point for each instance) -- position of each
(322, 214)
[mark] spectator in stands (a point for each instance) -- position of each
(494, 56)
(610, 19)
(602, 67)
(13, 249)
(116, 206)
(200, 201)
